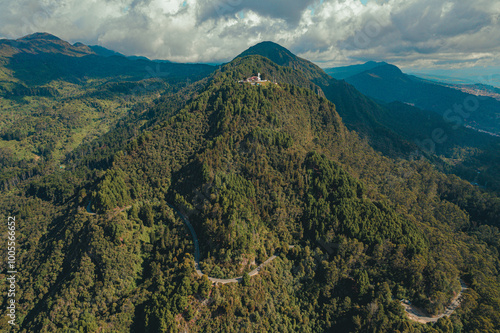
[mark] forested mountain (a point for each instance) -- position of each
(466, 152)
(397, 129)
(38, 59)
(258, 170)
(54, 96)
(42, 43)
(454, 125)
(387, 83)
(358, 112)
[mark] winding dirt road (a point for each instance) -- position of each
(197, 255)
(420, 316)
(197, 249)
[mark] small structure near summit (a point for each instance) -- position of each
(254, 80)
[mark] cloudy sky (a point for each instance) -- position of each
(413, 34)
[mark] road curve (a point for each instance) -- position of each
(197, 255)
(89, 208)
(197, 249)
(420, 316)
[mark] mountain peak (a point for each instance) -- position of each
(376, 63)
(273, 51)
(270, 45)
(40, 35)
(387, 70)
(283, 57)
(43, 42)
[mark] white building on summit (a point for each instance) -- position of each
(253, 80)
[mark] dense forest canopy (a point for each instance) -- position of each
(258, 171)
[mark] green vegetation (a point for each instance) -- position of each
(256, 169)
(55, 97)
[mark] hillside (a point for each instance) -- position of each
(40, 43)
(442, 121)
(400, 130)
(55, 96)
(466, 152)
(387, 83)
(358, 112)
(283, 57)
(255, 169)
(39, 59)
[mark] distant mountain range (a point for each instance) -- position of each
(387, 83)
(102, 51)
(40, 58)
(42, 43)
(55, 95)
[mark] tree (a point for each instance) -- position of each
(146, 215)
(204, 286)
(245, 281)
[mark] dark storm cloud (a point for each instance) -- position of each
(420, 26)
(334, 32)
(411, 32)
(288, 10)
(424, 20)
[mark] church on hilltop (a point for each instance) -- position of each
(253, 80)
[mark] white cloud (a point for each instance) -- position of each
(410, 33)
